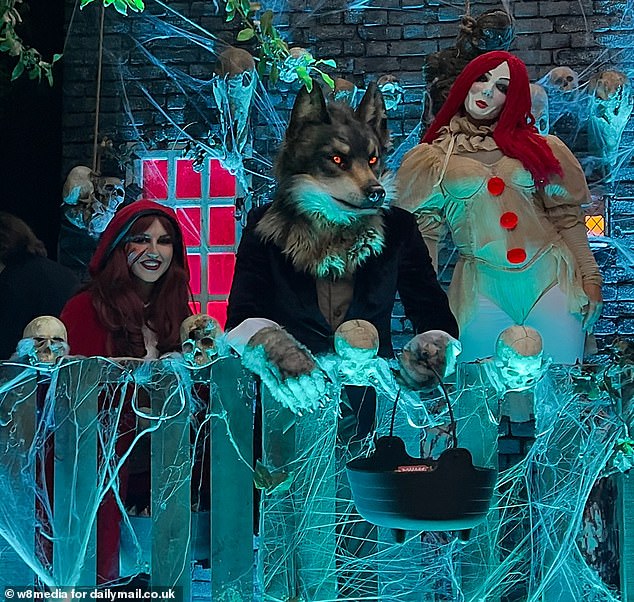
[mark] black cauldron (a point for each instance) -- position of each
(392, 489)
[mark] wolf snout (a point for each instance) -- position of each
(375, 194)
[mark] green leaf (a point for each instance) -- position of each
(308, 82)
(230, 16)
(139, 4)
(328, 80)
(230, 6)
(84, 3)
(266, 22)
(56, 57)
(245, 35)
(121, 7)
(17, 71)
(329, 62)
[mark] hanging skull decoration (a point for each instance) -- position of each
(391, 90)
(198, 339)
(233, 90)
(90, 201)
(519, 357)
(539, 109)
(562, 79)
(610, 107)
(44, 341)
(299, 60)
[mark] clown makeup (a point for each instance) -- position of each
(487, 94)
(150, 253)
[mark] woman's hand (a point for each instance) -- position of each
(592, 310)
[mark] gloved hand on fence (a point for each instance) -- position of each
(427, 357)
(287, 368)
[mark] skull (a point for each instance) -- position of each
(198, 339)
(519, 357)
(44, 341)
(357, 340)
(233, 92)
(90, 201)
(539, 108)
(109, 193)
(610, 110)
(392, 91)
(563, 79)
(299, 58)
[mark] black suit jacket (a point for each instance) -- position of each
(266, 285)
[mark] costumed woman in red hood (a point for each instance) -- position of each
(132, 307)
(512, 200)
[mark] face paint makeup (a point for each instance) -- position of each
(150, 253)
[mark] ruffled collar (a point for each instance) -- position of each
(461, 135)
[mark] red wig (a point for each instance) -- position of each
(514, 132)
(123, 312)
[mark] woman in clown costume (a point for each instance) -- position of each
(512, 200)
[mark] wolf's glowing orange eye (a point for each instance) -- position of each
(337, 160)
(373, 160)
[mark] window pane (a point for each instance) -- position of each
(220, 273)
(188, 181)
(155, 179)
(222, 226)
(218, 310)
(189, 219)
(194, 272)
(221, 182)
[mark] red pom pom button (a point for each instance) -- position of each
(516, 255)
(508, 220)
(496, 186)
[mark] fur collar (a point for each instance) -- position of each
(322, 249)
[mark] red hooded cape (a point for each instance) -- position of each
(86, 335)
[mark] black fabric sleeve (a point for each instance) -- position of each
(424, 300)
(252, 281)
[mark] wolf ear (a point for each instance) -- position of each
(371, 109)
(309, 107)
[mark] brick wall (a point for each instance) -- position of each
(393, 38)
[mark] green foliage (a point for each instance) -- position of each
(30, 61)
(120, 6)
(275, 59)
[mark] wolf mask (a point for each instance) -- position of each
(327, 211)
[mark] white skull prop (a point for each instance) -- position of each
(519, 357)
(90, 201)
(428, 356)
(44, 341)
(198, 339)
(609, 111)
(539, 109)
(233, 91)
(563, 79)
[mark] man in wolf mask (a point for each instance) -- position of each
(329, 249)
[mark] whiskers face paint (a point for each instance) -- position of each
(149, 254)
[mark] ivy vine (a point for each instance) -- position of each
(30, 61)
(276, 60)
(120, 6)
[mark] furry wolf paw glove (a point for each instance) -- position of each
(428, 357)
(287, 368)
